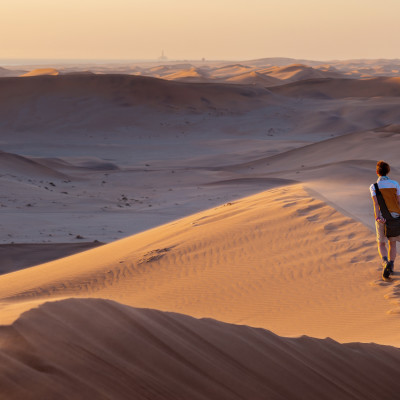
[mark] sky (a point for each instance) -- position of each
(193, 29)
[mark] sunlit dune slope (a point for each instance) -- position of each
(192, 74)
(81, 349)
(254, 78)
(341, 88)
(226, 71)
(279, 260)
(42, 71)
(297, 72)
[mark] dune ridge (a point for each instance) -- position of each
(255, 261)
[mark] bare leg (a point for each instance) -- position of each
(392, 250)
(382, 249)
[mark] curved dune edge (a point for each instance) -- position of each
(280, 260)
(93, 348)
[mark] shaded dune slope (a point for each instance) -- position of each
(381, 143)
(298, 72)
(101, 102)
(336, 88)
(80, 349)
(14, 164)
(126, 90)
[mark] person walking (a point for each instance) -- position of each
(390, 190)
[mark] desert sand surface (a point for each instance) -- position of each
(196, 230)
(139, 353)
(41, 71)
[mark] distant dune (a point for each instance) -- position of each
(298, 72)
(363, 146)
(189, 75)
(254, 78)
(4, 72)
(42, 71)
(128, 90)
(341, 88)
(15, 164)
(99, 102)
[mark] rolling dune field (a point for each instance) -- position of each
(196, 230)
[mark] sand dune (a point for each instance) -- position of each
(162, 69)
(382, 143)
(281, 61)
(42, 71)
(254, 78)
(14, 164)
(47, 98)
(222, 69)
(255, 261)
(340, 169)
(99, 125)
(298, 72)
(79, 349)
(341, 88)
(4, 72)
(230, 70)
(239, 73)
(188, 75)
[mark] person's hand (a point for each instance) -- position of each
(381, 220)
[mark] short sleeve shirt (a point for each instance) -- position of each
(390, 189)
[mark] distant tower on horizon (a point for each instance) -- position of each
(163, 56)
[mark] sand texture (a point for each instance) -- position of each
(110, 351)
(196, 230)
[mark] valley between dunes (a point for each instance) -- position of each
(223, 235)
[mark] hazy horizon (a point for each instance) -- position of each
(14, 62)
(223, 30)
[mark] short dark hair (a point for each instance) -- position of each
(382, 168)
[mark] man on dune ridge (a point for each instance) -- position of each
(390, 190)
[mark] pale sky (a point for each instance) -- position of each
(192, 29)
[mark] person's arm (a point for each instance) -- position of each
(377, 210)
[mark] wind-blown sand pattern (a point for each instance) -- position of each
(228, 209)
